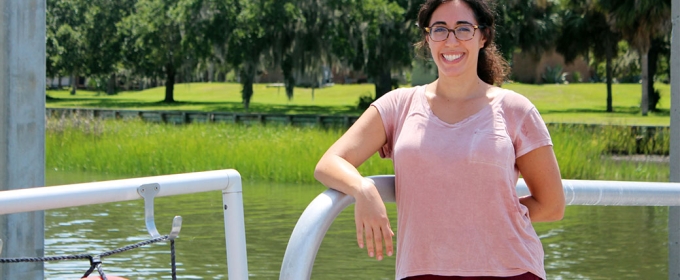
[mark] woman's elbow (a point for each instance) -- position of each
(322, 169)
(319, 171)
(557, 212)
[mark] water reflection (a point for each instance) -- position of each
(590, 243)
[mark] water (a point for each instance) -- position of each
(589, 243)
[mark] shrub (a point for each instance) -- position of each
(576, 77)
(554, 75)
(364, 102)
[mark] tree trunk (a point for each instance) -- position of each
(644, 104)
(652, 59)
(58, 82)
(383, 82)
(247, 77)
(288, 77)
(111, 88)
(608, 66)
(74, 83)
(211, 72)
(169, 83)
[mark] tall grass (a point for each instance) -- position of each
(277, 153)
(585, 152)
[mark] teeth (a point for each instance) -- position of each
(452, 57)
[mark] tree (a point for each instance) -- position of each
(640, 22)
(65, 45)
(375, 36)
(529, 25)
(161, 37)
(585, 30)
(301, 40)
(102, 39)
(247, 43)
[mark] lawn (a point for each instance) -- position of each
(574, 103)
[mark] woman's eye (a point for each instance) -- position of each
(440, 30)
(464, 29)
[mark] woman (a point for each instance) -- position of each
(458, 146)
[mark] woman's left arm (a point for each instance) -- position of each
(542, 175)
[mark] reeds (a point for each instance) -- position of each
(607, 153)
(282, 153)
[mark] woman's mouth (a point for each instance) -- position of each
(451, 57)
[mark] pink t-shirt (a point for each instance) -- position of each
(457, 209)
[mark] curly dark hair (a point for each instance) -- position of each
(491, 67)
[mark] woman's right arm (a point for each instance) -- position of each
(337, 169)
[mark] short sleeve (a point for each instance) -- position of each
(393, 107)
(387, 108)
(532, 133)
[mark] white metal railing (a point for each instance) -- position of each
(228, 181)
(319, 215)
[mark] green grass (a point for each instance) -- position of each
(279, 153)
(586, 103)
(223, 97)
(574, 103)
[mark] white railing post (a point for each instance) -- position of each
(235, 229)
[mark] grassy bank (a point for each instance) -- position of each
(574, 103)
(280, 153)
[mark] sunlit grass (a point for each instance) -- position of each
(280, 153)
(574, 103)
(587, 103)
(224, 97)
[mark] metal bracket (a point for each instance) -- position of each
(148, 192)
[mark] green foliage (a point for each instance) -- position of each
(554, 75)
(640, 23)
(585, 30)
(589, 153)
(531, 26)
(576, 77)
(65, 45)
(188, 40)
(364, 102)
(375, 36)
(271, 153)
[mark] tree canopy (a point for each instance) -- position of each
(180, 40)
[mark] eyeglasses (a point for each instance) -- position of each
(463, 32)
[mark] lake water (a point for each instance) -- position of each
(589, 243)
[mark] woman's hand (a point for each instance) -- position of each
(371, 220)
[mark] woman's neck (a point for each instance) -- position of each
(458, 89)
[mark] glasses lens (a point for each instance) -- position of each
(464, 32)
(439, 33)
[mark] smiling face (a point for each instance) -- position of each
(454, 57)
